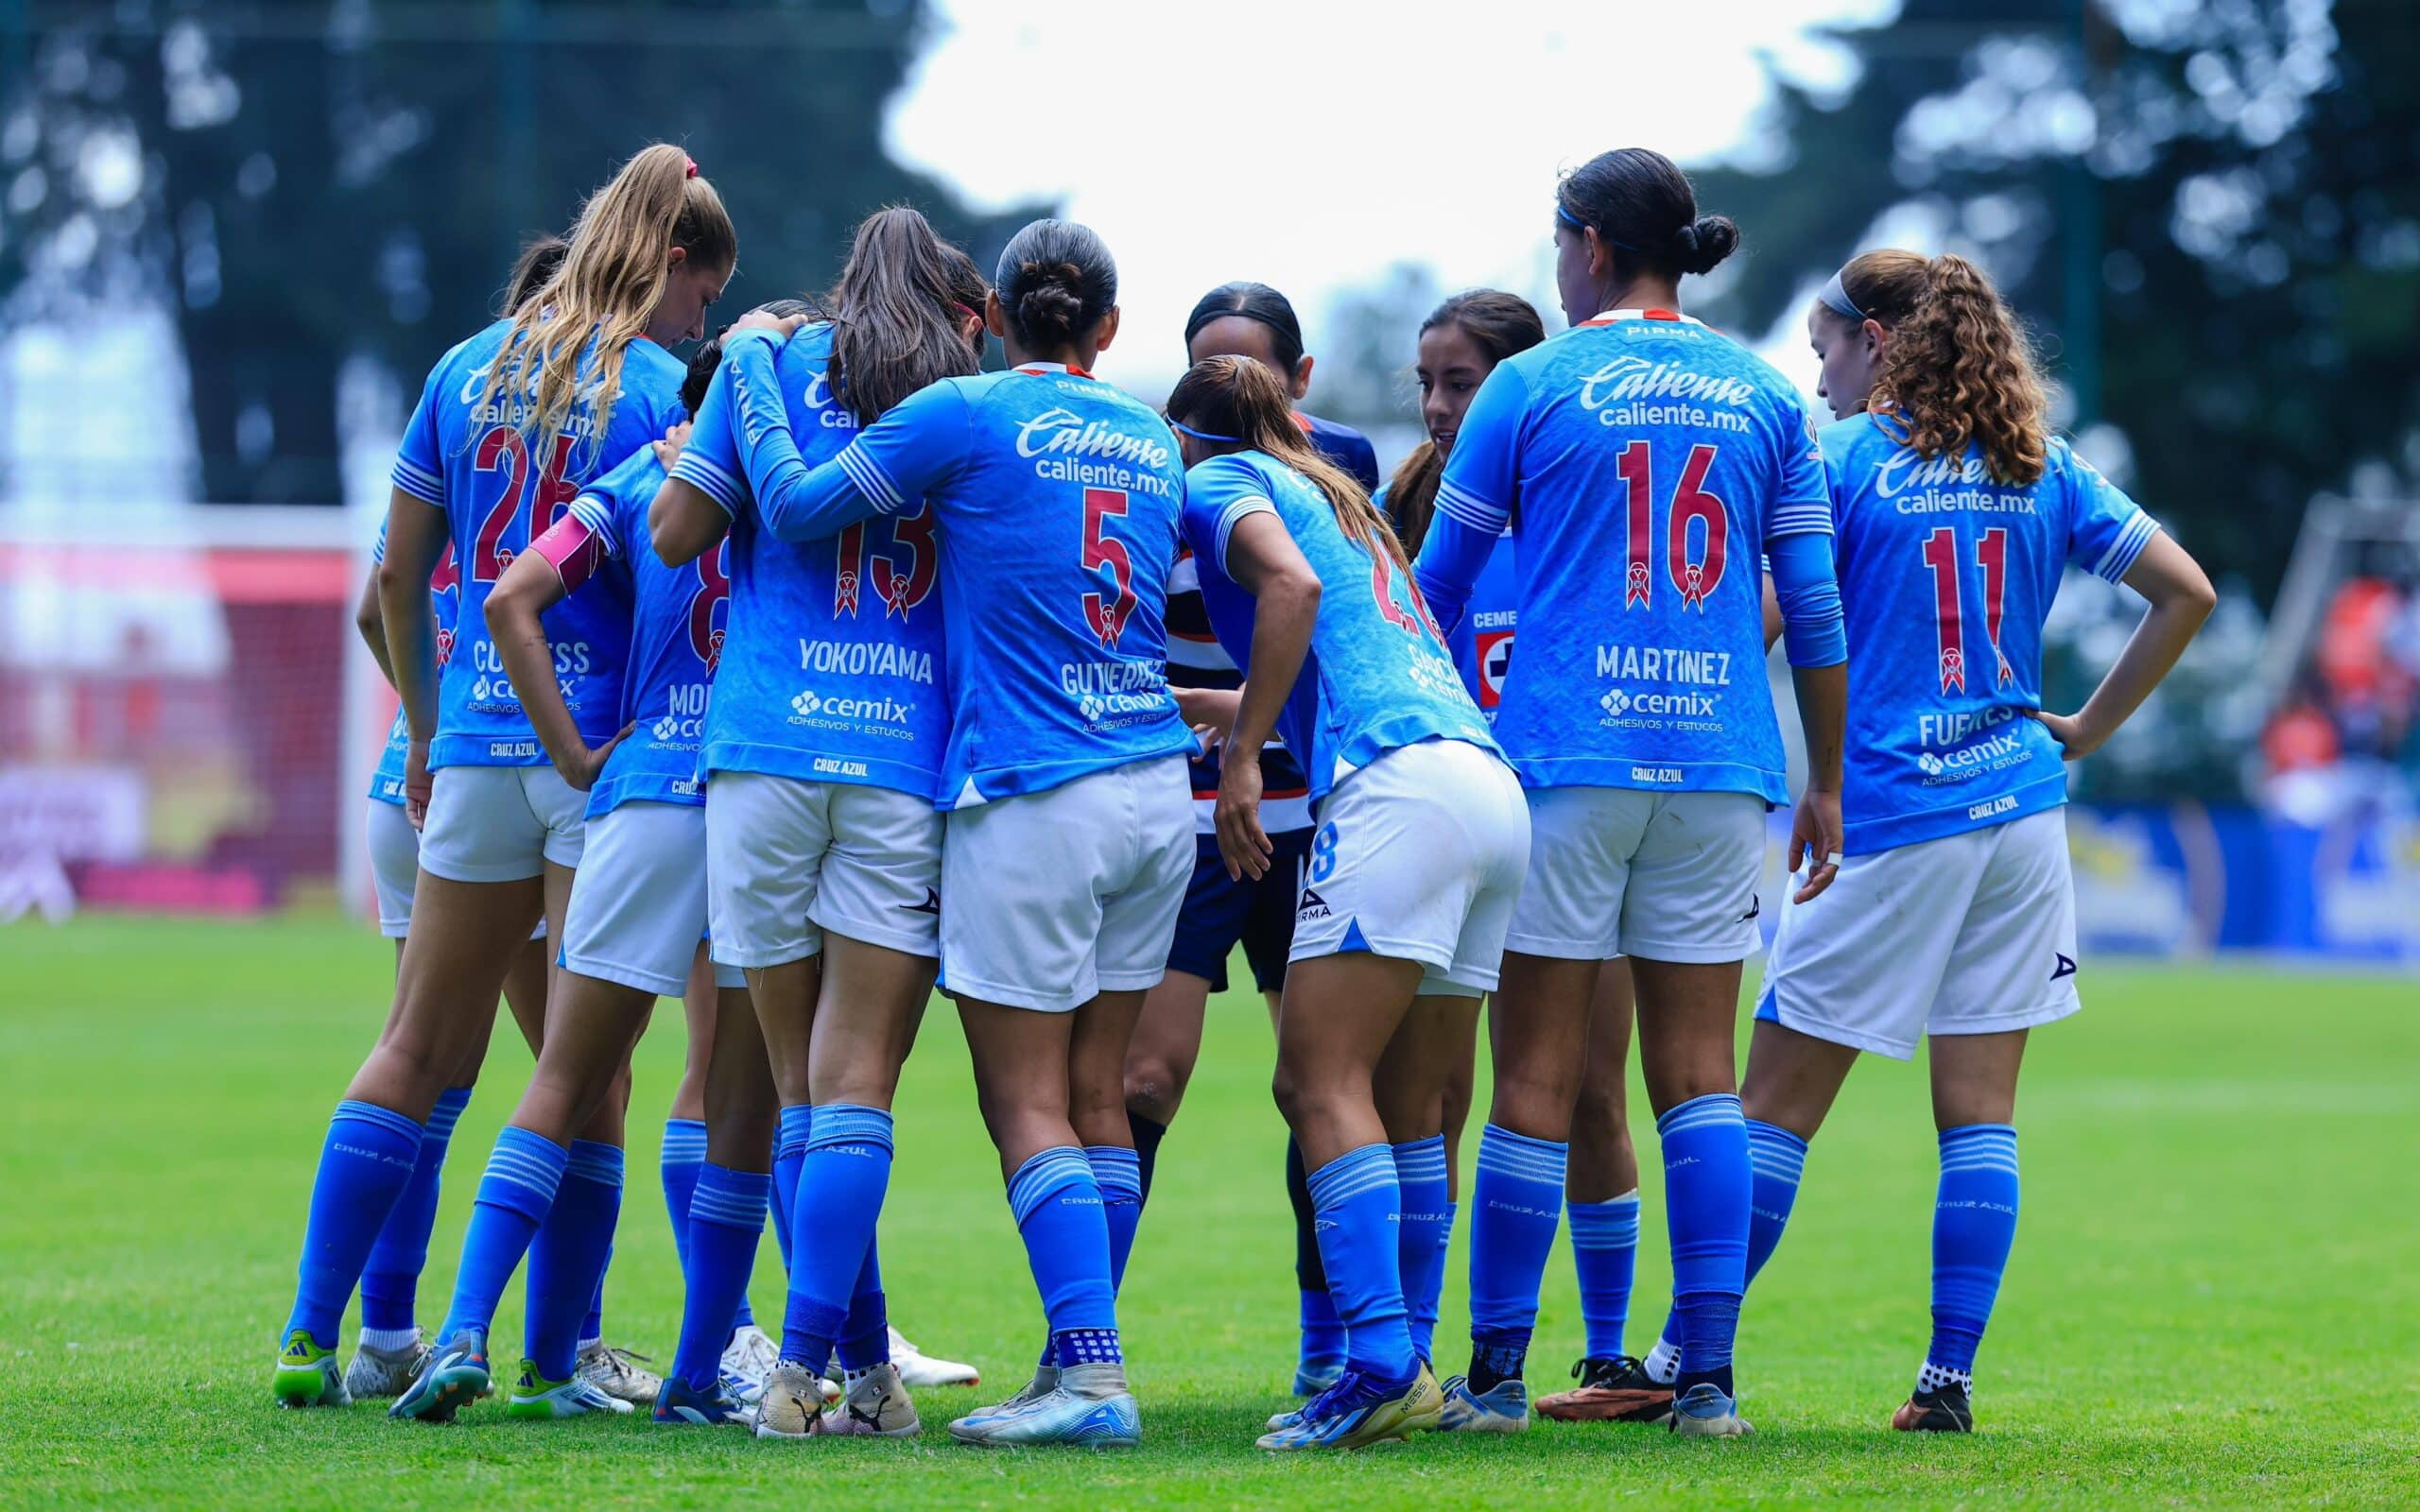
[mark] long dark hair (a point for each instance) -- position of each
(1239, 398)
(1959, 367)
(532, 270)
(1499, 324)
(1641, 204)
(1257, 302)
(708, 356)
(896, 326)
(1056, 280)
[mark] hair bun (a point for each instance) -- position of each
(1703, 243)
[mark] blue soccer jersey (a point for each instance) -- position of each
(1642, 461)
(830, 670)
(1056, 498)
(1482, 638)
(677, 636)
(476, 460)
(444, 597)
(1945, 580)
(1378, 675)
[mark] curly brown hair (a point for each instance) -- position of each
(1959, 367)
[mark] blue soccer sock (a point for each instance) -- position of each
(567, 1258)
(1057, 1203)
(1427, 1220)
(726, 1219)
(1706, 1186)
(524, 1173)
(684, 1156)
(865, 1333)
(1605, 1250)
(1119, 1171)
(843, 1177)
(390, 1278)
(592, 1323)
(1777, 1157)
(1359, 1208)
(1516, 1199)
(1973, 1223)
(789, 1152)
(364, 1162)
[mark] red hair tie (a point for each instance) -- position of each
(692, 166)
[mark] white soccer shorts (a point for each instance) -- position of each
(1419, 856)
(638, 905)
(395, 868)
(787, 860)
(500, 823)
(1056, 896)
(1618, 871)
(1969, 934)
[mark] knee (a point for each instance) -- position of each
(1541, 1097)
(1154, 1087)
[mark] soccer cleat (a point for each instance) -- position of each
(1609, 1391)
(575, 1396)
(1356, 1411)
(876, 1405)
(307, 1375)
(1503, 1408)
(453, 1374)
(1946, 1410)
(681, 1402)
(1704, 1412)
(1090, 1407)
(792, 1405)
(750, 1356)
(616, 1373)
(376, 1372)
(917, 1368)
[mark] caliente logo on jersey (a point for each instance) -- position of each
(1636, 390)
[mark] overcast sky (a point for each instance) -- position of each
(1309, 146)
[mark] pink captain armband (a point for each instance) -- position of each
(574, 548)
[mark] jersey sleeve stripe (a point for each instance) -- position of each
(709, 480)
(1233, 514)
(1812, 517)
(2119, 559)
(870, 479)
(420, 483)
(1472, 511)
(596, 511)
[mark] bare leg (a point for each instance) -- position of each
(1974, 1078)
(784, 996)
(446, 986)
(1793, 1078)
(697, 1003)
(871, 1004)
(1167, 1044)
(1536, 1026)
(1604, 1164)
(1341, 1012)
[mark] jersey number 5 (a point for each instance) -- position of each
(1107, 612)
(1693, 577)
(1941, 558)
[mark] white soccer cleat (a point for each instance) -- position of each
(792, 1405)
(616, 1373)
(917, 1368)
(748, 1358)
(376, 1372)
(1090, 1408)
(875, 1405)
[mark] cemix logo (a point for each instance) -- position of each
(1092, 708)
(666, 728)
(806, 703)
(1616, 703)
(1930, 765)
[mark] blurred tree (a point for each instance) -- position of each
(304, 183)
(2211, 208)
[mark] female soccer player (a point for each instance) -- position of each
(637, 910)
(1420, 841)
(1252, 321)
(390, 1346)
(1957, 512)
(1070, 834)
(825, 848)
(511, 424)
(1643, 731)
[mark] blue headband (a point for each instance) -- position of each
(1835, 297)
(1573, 221)
(1202, 436)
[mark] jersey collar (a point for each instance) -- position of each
(1035, 369)
(1609, 317)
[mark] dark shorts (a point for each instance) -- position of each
(1219, 912)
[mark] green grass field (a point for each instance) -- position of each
(2215, 1297)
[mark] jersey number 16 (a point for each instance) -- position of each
(1694, 577)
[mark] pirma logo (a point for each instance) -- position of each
(1313, 906)
(1930, 763)
(1616, 703)
(806, 703)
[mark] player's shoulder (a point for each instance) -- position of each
(1853, 437)
(472, 352)
(652, 370)
(809, 348)
(1341, 444)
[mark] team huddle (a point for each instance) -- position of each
(826, 668)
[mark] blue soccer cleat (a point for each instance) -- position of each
(678, 1402)
(455, 1376)
(1357, 1410)
(1503, 1408)
(1704, 1412)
